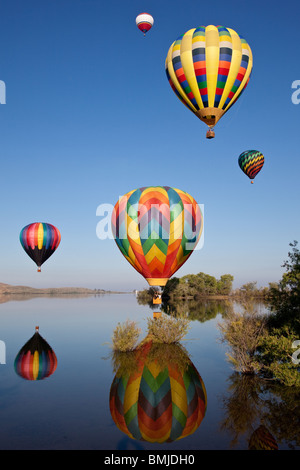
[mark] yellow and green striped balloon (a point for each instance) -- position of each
(208, 68)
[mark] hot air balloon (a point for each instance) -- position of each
(40, 240)
(156, 229)
(144, 22)
(208, 68)
(158, 401)
(251, 162)
(35, 360)
(262, 439)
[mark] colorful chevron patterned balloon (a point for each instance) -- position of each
(158, 403)
(208, 68)
(35, 360)
(251, 162)
(157, 228)
(40, 240)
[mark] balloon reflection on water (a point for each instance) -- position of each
(161, 397)
(262, 439)
(36, 360)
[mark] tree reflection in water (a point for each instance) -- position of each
(199, 310)
(264, 413)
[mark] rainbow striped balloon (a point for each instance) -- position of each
(40, 240)
(157, 403)
(251, 162)
(157, 228)
(208, 68)
(35, 360)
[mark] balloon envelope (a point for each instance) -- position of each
(251, 162)
(36, 360)
(40, 240)
(156, 229)
(262, 439)
(208, 68)
(144, 22)
(158, 402)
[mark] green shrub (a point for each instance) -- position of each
(168, 329)
(125, 336)
(276, 356)
(242, 332)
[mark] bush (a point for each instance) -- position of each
(284, 299)
(125, 337)
(276, 352)
(243, 332)
(168, 329)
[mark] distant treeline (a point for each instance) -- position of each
(201, 285)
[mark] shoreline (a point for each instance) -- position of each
(7, 289)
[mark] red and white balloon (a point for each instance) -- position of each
(144, 22)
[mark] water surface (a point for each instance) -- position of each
(70, 408)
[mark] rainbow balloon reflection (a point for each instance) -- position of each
(36, 360)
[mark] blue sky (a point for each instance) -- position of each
(89, 116)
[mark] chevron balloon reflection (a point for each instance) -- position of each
(36, 360)
(157, 228)
(158, 401)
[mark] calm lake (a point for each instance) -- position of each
(70, 409)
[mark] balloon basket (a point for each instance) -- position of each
(156, 315)
(210, 134)
(39, 270)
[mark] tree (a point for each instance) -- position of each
(249, 288)
(276, 348)
(243, 332)
(225, 284)
(265, 344)
(284, 298)
(198, 286)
